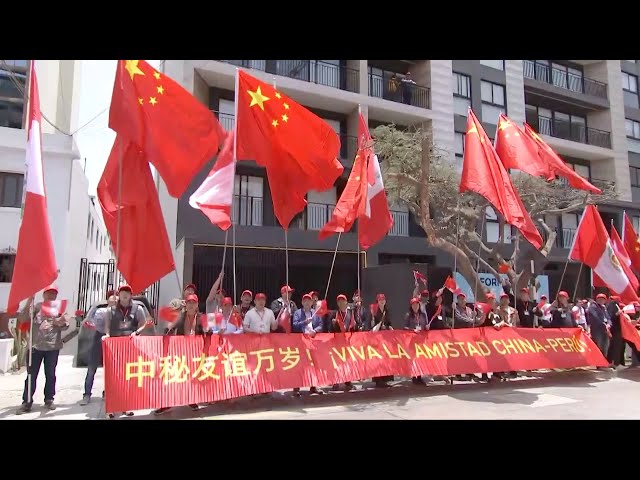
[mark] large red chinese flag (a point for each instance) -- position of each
(625, 262)
(352, 202)
(484, 174)
(298, 149)
(592, 247)
(141, 243)
(631, 242)
(377, 220)
(35, 263)
(516, 150)
(556, 165)
(175, 132)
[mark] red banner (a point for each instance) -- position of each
(153, 372)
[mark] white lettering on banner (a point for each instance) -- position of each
(489, 281)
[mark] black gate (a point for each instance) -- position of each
(98, 278)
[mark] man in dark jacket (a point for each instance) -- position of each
(561, 316)
(600, 323)
(616, 343)
(279, 303)
(528, 311)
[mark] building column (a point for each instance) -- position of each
(440, 76)
(514, 79)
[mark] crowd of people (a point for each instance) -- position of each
(123, 316)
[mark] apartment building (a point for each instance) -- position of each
(76, 227)
(587, 110)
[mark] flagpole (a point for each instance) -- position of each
(333, 262)
(358, 225)
(477, 285)
(455, 262)
(575, 290)
(119, 216)
(30, 362)
(286, 230)
(515, 265)
(573, 244)
(235, 163)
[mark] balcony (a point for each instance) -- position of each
(312, 71)
(316, 215)
(564, 80)
(400, 224)
(565, 238)
(227, 120)
(247, 210)
(392, 86)
(575, 132)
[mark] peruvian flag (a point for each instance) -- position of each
(53, 308)
(625, 262)
(35, 262)
(284, 319)
(631, 242)
(215, 196)
(419, 278)
(321, 308)
(592, 247)
(377, 219)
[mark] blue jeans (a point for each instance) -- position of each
(50, 359)
(94, 362)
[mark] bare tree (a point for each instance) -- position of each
(423, 177)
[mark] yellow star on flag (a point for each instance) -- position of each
(156, 75)
(160, 89)
(274, 123)
(286, 106)
(140, 101)
(278, 96)
(132, 68)
(257, 98)
(285, 118)
(504, 124)
(473, 129)
(152, 100)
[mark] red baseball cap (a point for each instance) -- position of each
(286, 288)
(381, 296)
(413, 301)
(524, 290)
(190, 285)
(461, 294)
(504, 295)
(490, 296)
(51, 288)
(122, 288)
(424, 293)
(307, 296)
(226, 301)
(314, 293)
(192, 298)
(260, 296)
(562, 293)
(543, 296)
(341, 297)
(601, 296)
(245, 292)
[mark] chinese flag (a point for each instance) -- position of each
(35, 262)
(484, 174)
(450, 284)
(631, 242)
(176, 132)
(298, 149)
(556, 165)
(518, 151)
(504, 268)
(629, 331)
(284, 319)
(142, 247)
(352, 202)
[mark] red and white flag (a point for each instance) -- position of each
(377, 220)
(631, 242)
(625, 262)
(284, 319)
(419, 278)
(321, 308)
(35, 262)
(592, 247)
(53, 308)
(215, 196)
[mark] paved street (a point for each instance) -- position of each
(580, 394)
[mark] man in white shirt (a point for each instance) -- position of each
(260, 319)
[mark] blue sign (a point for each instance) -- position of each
(487, 280)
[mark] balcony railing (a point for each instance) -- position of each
(227, 120)
(312, 71)
(247, 210)
(400, 224)
(392, 86)
(575, 132)
(563, 79)
(565, 238)
(317, 214)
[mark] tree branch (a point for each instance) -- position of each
(479, 258)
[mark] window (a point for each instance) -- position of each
(570, 223)
(88, 224)
(459, 150)
(493, 101)
(629, 82)
(636, 223)
(461, 94)
(13, 80)
(566, 77)
(492, 227)
(6, 267)
(497, 64)
(632, 128)
(247, 200)
(634, 173)
(11, 189)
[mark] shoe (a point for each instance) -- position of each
(296, 393)
(24, 408)
(315, 391)
(420, 381)
(85, 400)
(348, 387)
(335, 387)
(102, 393)
(194, 407)
(128, 414)
(50, 405)
(160, 411)
(382, 385)
(111, 416)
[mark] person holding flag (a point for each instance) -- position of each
(47, 329)
(279, 310)
(600, 323)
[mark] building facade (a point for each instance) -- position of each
(587, 110)
(76, 227)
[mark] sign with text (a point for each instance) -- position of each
(487, 280)
(154, 372)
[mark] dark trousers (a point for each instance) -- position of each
(601, 339)
(93, 363)
(616, 348)
(50, 360)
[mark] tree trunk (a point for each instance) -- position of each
(465, 267)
